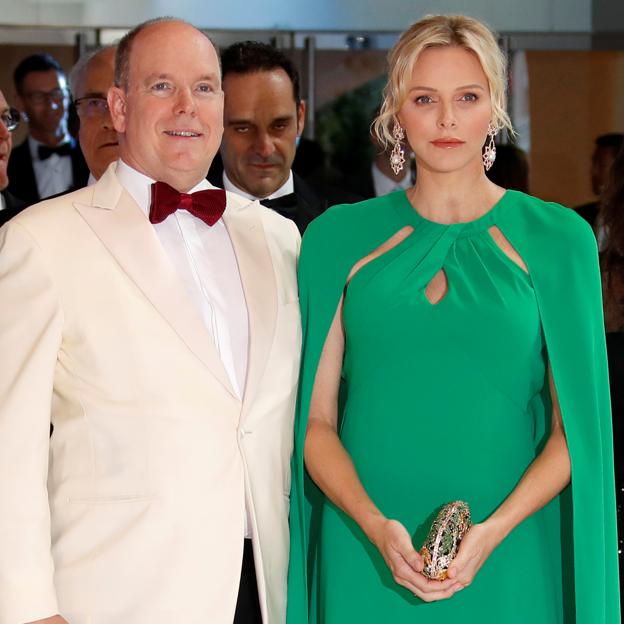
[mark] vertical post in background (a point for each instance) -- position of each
(80, 45)
(504, 43)
(310, 93)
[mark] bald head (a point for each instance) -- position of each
(122, 57)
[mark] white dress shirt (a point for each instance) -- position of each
(53, 175)
(384, 185)
(204, 259)
(286, 188)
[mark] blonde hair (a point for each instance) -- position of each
(438, 31)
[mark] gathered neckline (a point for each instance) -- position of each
(485, 221)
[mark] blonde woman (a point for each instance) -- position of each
(454, 349)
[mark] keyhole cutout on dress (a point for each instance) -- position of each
(437, 288)
(396, 239)
(507, 248)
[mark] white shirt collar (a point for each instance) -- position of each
(33, 145)
(91, 181)
(384, 185)
(2, 202)
(140, 186)
(286, 189)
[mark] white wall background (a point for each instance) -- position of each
(318, 15)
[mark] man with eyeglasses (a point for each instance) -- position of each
(49, 161)
(90, 80)
(9, 121)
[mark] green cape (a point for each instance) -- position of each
(560, 252)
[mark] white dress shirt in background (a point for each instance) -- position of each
(286, 189)
(54, 175)
(384, 185)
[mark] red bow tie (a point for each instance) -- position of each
(206, 205)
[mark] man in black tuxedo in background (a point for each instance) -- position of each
(49, 161)
(263, 117)
(9, 121)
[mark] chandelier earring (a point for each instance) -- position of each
(397, 156)
(489, 153)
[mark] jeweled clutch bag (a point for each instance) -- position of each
(445, 536)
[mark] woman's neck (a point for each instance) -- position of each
(453, 197)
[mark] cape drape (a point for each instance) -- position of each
(560, 252)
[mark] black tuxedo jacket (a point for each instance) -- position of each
(21, 174)
(11, 208)
(309, 202)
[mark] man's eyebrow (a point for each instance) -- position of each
(156, 76)
(214, 77)
(92, 94)
(239, 122)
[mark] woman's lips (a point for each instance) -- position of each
(447, 143)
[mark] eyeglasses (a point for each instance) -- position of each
(41, 97)
(11, 119)
(91, 106)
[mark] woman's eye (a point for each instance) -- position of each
(469, 97)
(423, 99)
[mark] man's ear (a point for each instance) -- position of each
(116, 99)
(301, 111)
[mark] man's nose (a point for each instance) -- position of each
(185, 103)
(107, 122)
(264, 144)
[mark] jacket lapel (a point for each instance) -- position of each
(246, 231)
(128, 235)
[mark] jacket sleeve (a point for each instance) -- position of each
(30, 335)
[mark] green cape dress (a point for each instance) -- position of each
(487, 346)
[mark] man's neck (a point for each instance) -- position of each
(50, 139)
(284, 189)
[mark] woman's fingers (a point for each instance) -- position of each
(405, 575)
(428, 590)
(413, 559)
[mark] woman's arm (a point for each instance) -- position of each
(547, 475)
(330, 466)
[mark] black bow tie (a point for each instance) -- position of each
(285, 202)
(64, 149)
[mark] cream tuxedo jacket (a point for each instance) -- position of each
(133, 512)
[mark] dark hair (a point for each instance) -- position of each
(612, 210)
(248, 57)
(613, 140)
(34, 63)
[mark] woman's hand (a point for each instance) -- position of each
(395, 545)
(476, 546)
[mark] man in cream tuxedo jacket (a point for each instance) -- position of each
(164, 350)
